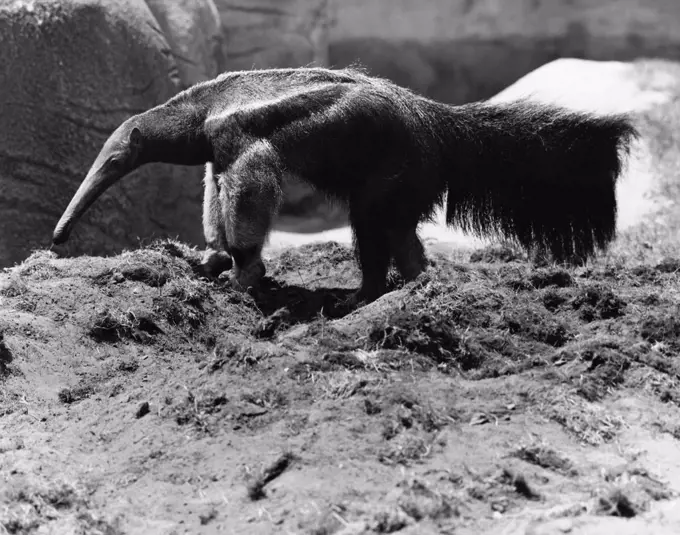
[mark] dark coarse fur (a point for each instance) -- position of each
(551, 182)
(537, 174)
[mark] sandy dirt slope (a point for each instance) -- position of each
(488, 397)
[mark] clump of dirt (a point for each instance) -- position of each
(198, 409)
(545, 457)
(545, 277)
(554, 298)
(188, 291)
(534, 323)
(30, 506)
(140, 272)
(477, 326)
(617, 503)
(269, 474)
(5, 356)
(498, 253)
(13, 287)
(420, 501)
(182, 303)
(302, 304)
(662, 327)
(269, 326)
(226, 353)
(178, 313)
(466, 329)
(71, 395)
(519, 482)
(598, 302)
(113, 325)
(607, 367)
(668, 265)
(422, 333)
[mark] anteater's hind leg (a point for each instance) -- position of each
(250, 197)
(372, 250)
(373, 255)
(408, 252)
(385, 229)
(215, 259)
(381, 234)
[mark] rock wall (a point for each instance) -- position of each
(463, 50)
(73, 70)
(193, 29)
(274, 33)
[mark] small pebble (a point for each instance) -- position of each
(143, 409)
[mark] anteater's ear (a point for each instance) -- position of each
(135, 140)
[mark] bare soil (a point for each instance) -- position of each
(138, 398)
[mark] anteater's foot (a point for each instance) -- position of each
(364, 296)
(409, 254)
(213, 263)
(248, 277)
(355, 300)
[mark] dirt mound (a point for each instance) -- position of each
(139, 398)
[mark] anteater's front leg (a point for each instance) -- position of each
(250, 196)
(215, 259)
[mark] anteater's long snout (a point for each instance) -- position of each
(89, 191)
(61, 232)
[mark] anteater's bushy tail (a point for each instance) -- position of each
(537, 174)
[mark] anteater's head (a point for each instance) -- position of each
(121, 154)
